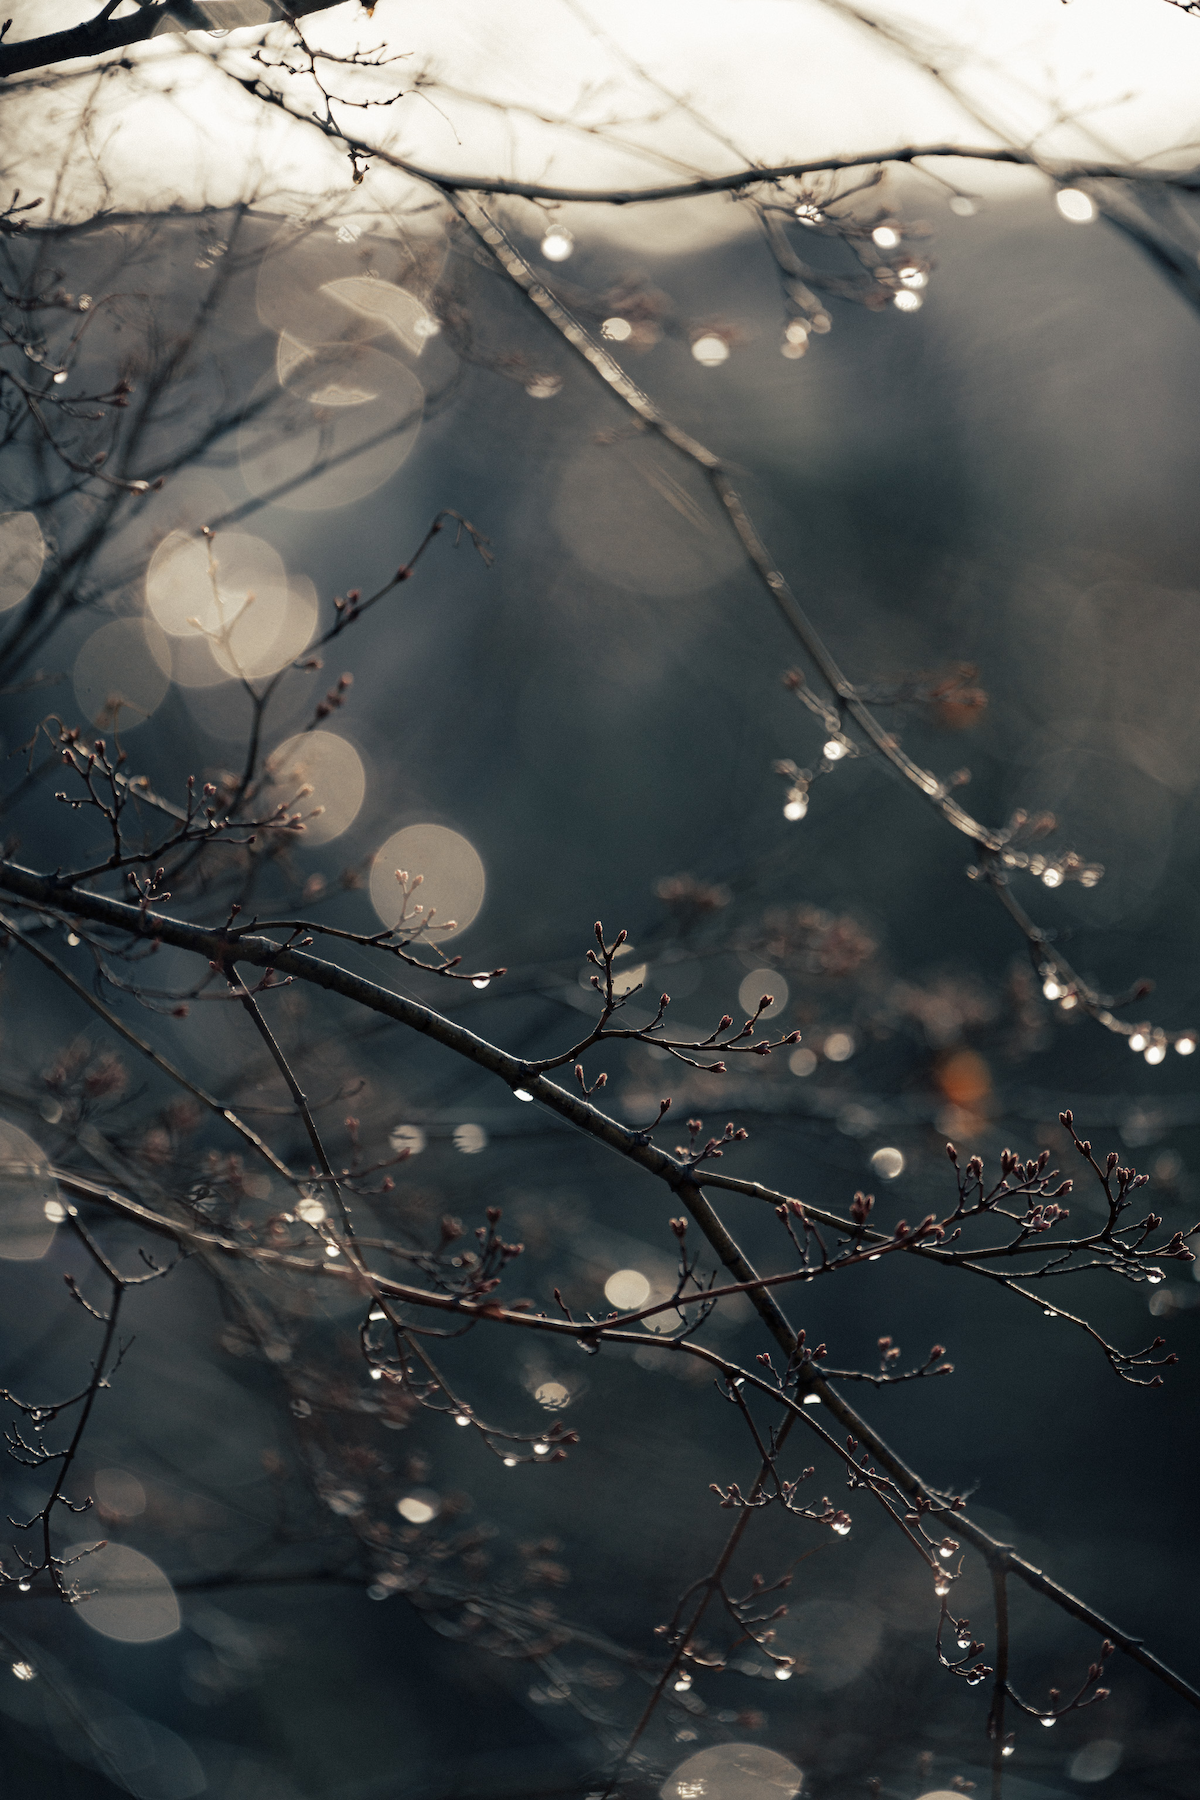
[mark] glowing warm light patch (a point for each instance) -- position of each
(119, 676)
(119, 1494)
(22, 553)
(885, 237)
(393, 308)
(838, 1046)
(802, 1062)
(311, 1210)
(733, 1772)
(454, 881)
(626, 980)
(28, 1192)
(408, 1139)
(907, 301)
(470, 1139)
(557, 244)
(710, 350)
(419, 1507)
(795, 806)
(228, 605)
(617, 330)
(888, 1163)
(627, 1289)
(553, 1395)
(1075, 205)
(131, 1599)
(328, 766)
(329, 425)
(757, 983)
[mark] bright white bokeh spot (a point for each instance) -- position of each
(757, 983)
(28, 1191)
(557, 244)
(885, 237)
(332, 768)
(470, 1139)
(888, 1163)
(419, 1507)
(454, 880)
(627, 1289)
(119, 1494)
(616, 330)
(710, 350)
(131, 1599)
(553, 1395)
(1185, 1045)
(733, 1772)
(22, 553)
(120, 675)
(907, 301)
(1096, 1761)
(802, 1062)
(311, 1210)
(1155, 1053)
(795, 806)
(1075, 205)
(839, 1046)
(408, 1139)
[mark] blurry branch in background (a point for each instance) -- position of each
(104, 33)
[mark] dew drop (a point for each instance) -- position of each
(24, 1586)
(1050, 1721)
(481, 981)
(462, 1418)
(510, 1462)
(522, 1094)
(841, 1526)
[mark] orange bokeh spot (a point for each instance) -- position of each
(964, 1078)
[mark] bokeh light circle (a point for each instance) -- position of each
(29, 1203)
(454, 879)
(130, 1599)
(122, 674)
(627, 1289)
(22, 553)
(733, 1772)
(757, 983)
(332, 423)
(334, 771)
